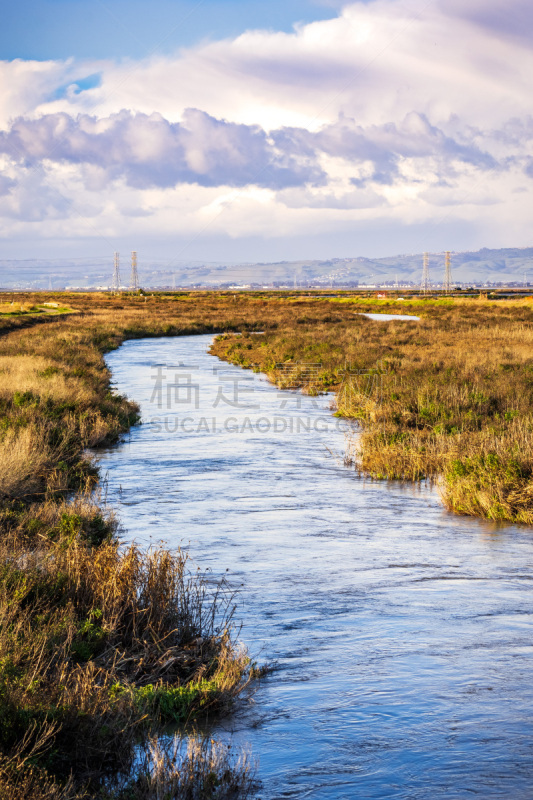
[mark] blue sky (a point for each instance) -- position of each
(250, 131)
(57, 29)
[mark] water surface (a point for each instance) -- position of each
(390, 317)
(402, 634)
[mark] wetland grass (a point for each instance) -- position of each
(100, 644)
(449, 398)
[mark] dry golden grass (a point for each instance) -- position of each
(21, 779)
(97, 640)
(198, 769)
(194, 768)
(101, 640)
(43, 378)
(15, 308)
(493, 475)
(449, 396)
(24, 460)
(461, 350)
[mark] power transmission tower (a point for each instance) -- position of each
(134, 273)
(425, 284)
(447, 285)
(116, 272)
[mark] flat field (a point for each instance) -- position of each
(101, 646)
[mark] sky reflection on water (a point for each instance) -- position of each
(402, 634)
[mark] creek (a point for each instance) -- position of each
(401, 634)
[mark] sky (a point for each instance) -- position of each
(226, 130)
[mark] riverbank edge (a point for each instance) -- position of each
(58, 515)
(69, 357)
(407, 430)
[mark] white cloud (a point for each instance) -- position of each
(391, 111)
(151, 151)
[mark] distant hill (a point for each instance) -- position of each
(484, 267)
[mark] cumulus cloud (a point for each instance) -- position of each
(500, 17)
(346, 201)
(31, 199)
(6, 184)
(385, 146)
(390, 111)
(376, 62)
(149, 151)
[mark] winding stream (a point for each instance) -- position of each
(402, 634)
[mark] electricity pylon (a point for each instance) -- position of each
(447, 285)
(134, 273)
(425, 284)
(116, 272)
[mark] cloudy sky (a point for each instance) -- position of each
(245, 130)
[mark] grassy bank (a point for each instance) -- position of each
(102, 645)
(449, 397)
